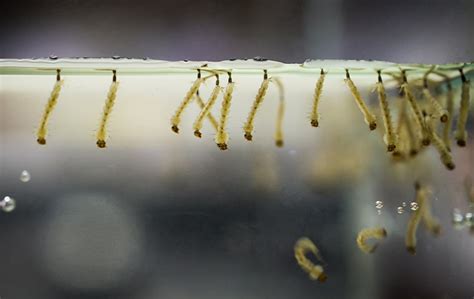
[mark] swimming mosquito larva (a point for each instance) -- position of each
(416, 216)
(201, 104)
(248, 126)
(416, 110)
(438, 143)
(176, 119)
(316, 97)
(440, 111)
(52, 101)
(222, 137)
(369, 118)
(207, 108)
(378, 233)
(303, 246)
(461, 133)
(390, 136)
(280, 113)
(109, 104)
(450, 110)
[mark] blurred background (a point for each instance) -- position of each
(163, 216)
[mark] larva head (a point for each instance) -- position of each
(279, 143)
(391, 147)
(248, 136)
(41, 140)
(426, 141)
(175, 129)
(322, 277)
(384, 232)
(444, 118)
(411, 250)
(413, 152)
(450, 165)
(198, 134)
(437, 230)
(461, 142)
(373, 125)
(222, 146)
(101, 143)
(314, 123)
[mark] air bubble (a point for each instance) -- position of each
(404, 204)
(458, 218)
(400, 210)
(116, 57)
(25, 176)
(8, 204)
(414, 206)
(378, 204)
(53, 57)
(469, 219)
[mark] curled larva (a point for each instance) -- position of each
(207, 108)
(448, 124)
(370, 233)
(415, 218)
(438, 143)
(176, 119)
(439, 110)
(390, 137)
(222, 137)
(369, 118)
(461, 132)
(416, 110)
(109, 104)
(248, 126)
(316, 97)
(280, 113)
(50, 104)
(303, 246)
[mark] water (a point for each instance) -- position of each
(156, 214)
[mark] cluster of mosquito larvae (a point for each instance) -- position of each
(222, 137)
(301, 248)
(423, 213)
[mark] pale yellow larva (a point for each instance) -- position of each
(222, 137)
(197, 126)
(281, 112)
(461, 132)
(109, 104)
(438, 143)
(50, 104)
(210, 117)
(429, 221)
(248, 126)
(369, 117)
(316, 98)
(439, 110)
(303, 246)
(415, 218)
(390, 137)
(377, 233)
(450, 110)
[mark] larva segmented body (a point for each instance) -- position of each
(222, 137)
(211, 118)
(448, 124)
(303, 246)
(280, 113)
(207, 108)
(248, 126)
(461, 132)
(415, 218)
(440, 111)
(390, 136)
(109, 104)
(369, 118)
(316, 98)
(377, 233)
(438, 143)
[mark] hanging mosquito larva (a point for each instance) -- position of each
(316, 97)
(438, 143)
(377, 233)
(450, 110)
(369, 118)
(109, 104)
(440, 111)
(390, 136)
(416, 216)
(207, 108)
(222, 137)
(52, 101)
(248, 126)
(416, 110)
(201, 104)
(280, 113)
(461, 133)
(303, 246)
(176, 119)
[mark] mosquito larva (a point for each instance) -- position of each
(438, 143)
(440, 111)
(416, 110)
(248, 126)
(461, 133)
(176, 119)
(403, 142)
(378, 233)
(390, 136)
(369, 118)
(316, 97)
(52, 101)
(280, 113)
(448, 124)
(303, 246)
(109, 104)
(410, 239)
(412, 136)
(429, 221)
(207, 108)
(222, 137)
(211, 118)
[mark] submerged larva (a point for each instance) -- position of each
(109, 104)
(438, 143)
(207, 108)
(439, 110)
(222, 137)
(316, 97)
(390, 136)
(416, 110)
(377, 233)
(248, 126)
(280, 113)
(415, 218)
(369, 118)
(461, 132)
(429, 221)
(448, 124)
(303, 246)
(50, 104)
(176, 119)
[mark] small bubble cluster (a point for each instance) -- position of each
(414, 206)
